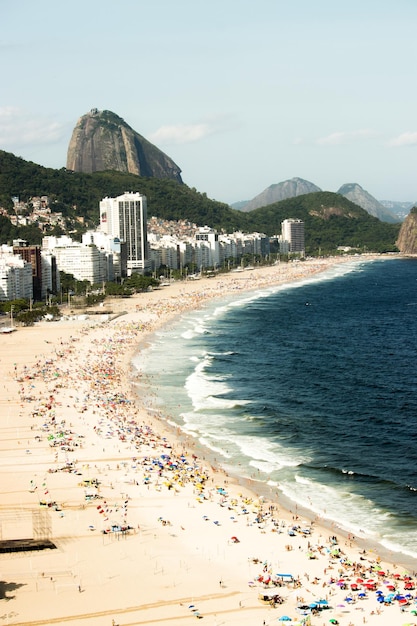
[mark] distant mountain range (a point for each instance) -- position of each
(103, 141)
(386, 211)
(400, 209)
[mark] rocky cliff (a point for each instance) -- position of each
(101, 140)
(281, 191)
(407, 239)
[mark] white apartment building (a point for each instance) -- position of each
(15, 277)
(207, 240)
(114, 250)
(83, 262)
(292, 230)
(125, 218)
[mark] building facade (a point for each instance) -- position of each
(125, 218)
(15, 277)
(83, 262)
(32, 255)
(292, 231)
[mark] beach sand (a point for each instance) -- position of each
(143, 528)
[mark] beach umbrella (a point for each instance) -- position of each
(285, 618)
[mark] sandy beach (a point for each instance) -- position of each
(137, 525)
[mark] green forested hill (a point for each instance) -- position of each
(166, 198)
(330, 219)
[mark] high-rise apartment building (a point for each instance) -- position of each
(125, 217)
(293, 231)
(32, 255)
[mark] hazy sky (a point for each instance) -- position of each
(240, 94)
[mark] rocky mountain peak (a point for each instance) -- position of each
(355, 193)
(101, 141)
(281, 191)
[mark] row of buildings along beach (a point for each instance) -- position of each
(126, 242)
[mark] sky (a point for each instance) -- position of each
(240, 94)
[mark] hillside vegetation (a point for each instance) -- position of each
(330, 219)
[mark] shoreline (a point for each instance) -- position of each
(83, 379)
(273, 493)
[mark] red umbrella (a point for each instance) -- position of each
(359, 581)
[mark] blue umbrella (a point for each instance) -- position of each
(285, 618)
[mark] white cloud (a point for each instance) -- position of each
(405, 139)
(180, 133)
(190, 133)
(19, 128)
(344, 137)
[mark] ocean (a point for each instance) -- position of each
(309, 388)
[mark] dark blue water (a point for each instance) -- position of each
(310, 388)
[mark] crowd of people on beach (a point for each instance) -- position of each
(81, 396)
(98, 381)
